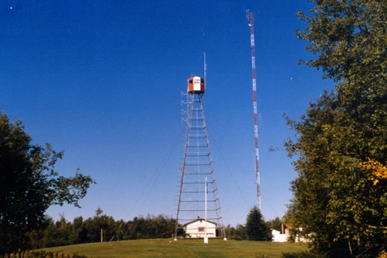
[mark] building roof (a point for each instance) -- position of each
(198, 219)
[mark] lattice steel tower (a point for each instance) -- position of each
(197, 167)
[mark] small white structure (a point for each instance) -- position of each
(197, 228)
(302, 239)
(278, 236)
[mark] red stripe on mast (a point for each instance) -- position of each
(251, 16)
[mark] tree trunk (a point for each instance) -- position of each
(350, 247)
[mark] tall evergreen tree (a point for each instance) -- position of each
(256, 227)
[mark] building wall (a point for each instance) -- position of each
(277, 236)
(197, 229)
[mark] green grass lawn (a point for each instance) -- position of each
(181, 248)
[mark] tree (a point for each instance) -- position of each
(240, 233)
(100, 228)
(78, 231)
(274, 224)
(256, 227)
(340, 192)
(29, 184)
(57, 233)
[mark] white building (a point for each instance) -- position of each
(278, 236)
(199, 227)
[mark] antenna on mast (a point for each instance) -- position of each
(257, 173)
(205, 69)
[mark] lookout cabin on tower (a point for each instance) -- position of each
(195, 85)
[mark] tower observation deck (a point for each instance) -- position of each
(198, 194)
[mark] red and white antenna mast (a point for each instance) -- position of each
(251, 19)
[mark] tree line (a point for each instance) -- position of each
(99, 228)
(105, 228)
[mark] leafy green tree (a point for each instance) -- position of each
(77, 234)
(274, 224)
(230, 232)
(150, 227)
(141, 228)
(92, 227)
(340, 196)
(29, 185)
(240, 232)
(256, 227)
(98, 212)
(57, 233)
(36, 237)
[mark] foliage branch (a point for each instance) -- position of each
(29, 184)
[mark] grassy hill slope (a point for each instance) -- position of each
(180, 248)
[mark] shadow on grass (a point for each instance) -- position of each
(303, 255)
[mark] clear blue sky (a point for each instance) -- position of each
(101, 80)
